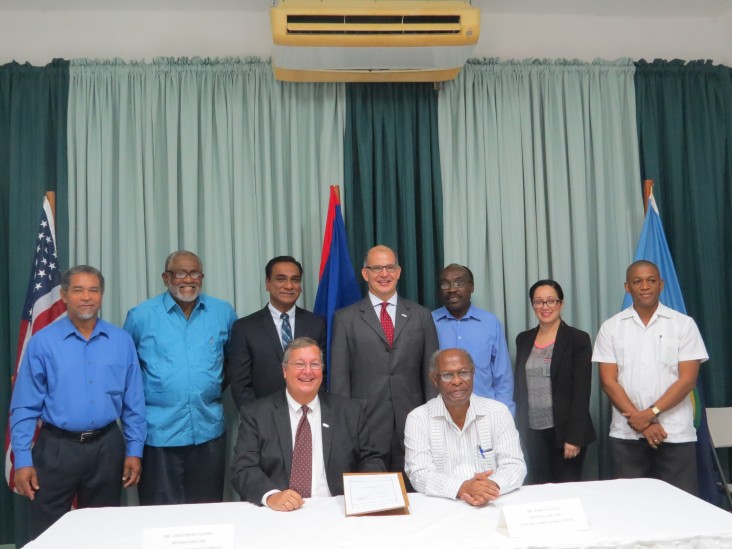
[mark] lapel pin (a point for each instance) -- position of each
(326, 425)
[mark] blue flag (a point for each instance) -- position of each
(653, 247)
(338, 287)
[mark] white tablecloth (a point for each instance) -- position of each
(621, 513)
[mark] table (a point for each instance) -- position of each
(621, 513)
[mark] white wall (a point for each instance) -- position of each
(38, 37)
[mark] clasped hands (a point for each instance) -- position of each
(479, 490)
(642, 421)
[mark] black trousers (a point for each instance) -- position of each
(674, 463)
(183, 474)
(91, 472)
(546, 462)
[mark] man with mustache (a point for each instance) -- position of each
(180, 337)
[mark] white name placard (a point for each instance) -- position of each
(205, 536)
(543, 517)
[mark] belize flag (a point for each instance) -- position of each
(338, 287)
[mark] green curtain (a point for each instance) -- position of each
(214, 156)
(685, 135)
(392, 174)
(32, 161)
(540, 180)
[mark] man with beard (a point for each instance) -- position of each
(180, 337)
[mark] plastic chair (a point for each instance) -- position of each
(719, 421)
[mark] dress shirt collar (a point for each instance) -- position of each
(443, 314)
(169, 303)
(441, 410)
(295, 406)
(376, 301)
(661, 311)
(69, 329)
(277, 314)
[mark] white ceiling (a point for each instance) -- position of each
(684, 8)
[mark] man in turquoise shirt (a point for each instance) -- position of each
(180, 337)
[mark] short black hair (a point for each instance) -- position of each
(546, 282)
(281, 259)
(463, 267)
(638, 263)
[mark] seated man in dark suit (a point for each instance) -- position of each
(296, 443)
(254, 351)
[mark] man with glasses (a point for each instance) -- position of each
(254, 352)
(462, 325)
(297, 443)
(459, 445)
(180, 337)
(380, 352)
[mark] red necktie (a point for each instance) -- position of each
(301, 473)
(387, 324)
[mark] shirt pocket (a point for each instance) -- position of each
(668, 352)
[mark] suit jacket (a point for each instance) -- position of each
(254, 353)
(393, 380)
(263, 451)
(571, 376)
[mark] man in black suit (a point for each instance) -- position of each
(254, 351)
(329, 434)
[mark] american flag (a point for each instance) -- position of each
(43, 304)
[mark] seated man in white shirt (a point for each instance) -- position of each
(296, 444)
(459, 445)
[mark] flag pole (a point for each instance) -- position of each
(647, 190)
(51, 196)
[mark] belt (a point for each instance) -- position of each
(78, 436)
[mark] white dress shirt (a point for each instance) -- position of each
(390, 309)
(440, 456)
(648, 364)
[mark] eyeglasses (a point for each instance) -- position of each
(376, 269)
(302, 365)
(445, 285)
(447, 377)
(180, 275)
(551, 303)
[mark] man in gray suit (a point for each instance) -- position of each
(380, 352)
(297, 444)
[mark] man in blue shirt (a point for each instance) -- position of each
(180, 337)
(78, 376)
(462, 325)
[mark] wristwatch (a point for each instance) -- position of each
(656, 410)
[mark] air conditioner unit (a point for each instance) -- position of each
(372, 40)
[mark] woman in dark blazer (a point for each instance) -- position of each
(552, 390)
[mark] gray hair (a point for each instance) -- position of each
(171, 257)
(438, 353)
(80, 269)
(300, 343)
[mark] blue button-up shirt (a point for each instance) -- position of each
(78, 385)
(481, 334)
(182, 362)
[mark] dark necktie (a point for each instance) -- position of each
(286, 329)
(301, 474)
(387, 324)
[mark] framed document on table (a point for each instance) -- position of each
(373, 494)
